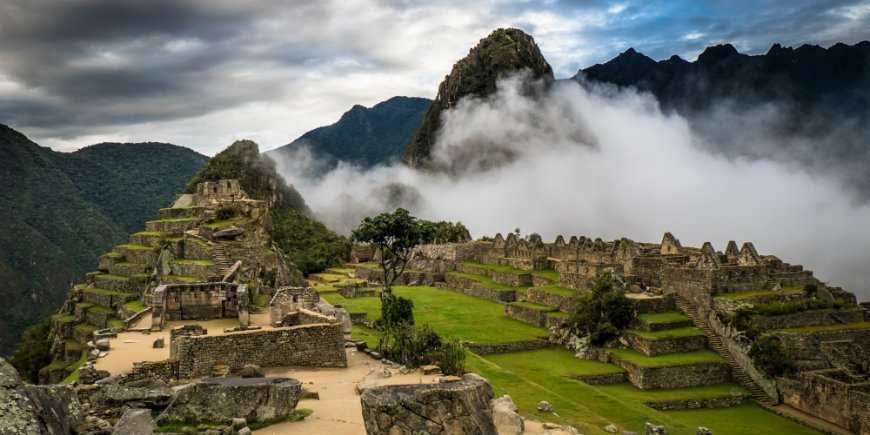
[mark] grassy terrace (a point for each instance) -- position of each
(101, 291)
(85, 327)
(262, 299)
(103, 310)
(219, 224)
(559, 290)
(151, 233)
(63, 317)
(132, 247)
(533, 306)
(487, 281)
(450, 313)
(835, 327)
(180, 278)
(671, 359)
(135, 305)
(545, 273)
(113, 254)
(541, 375)
(758, 293)
(688, 331)
(191, 219)
(666, 317)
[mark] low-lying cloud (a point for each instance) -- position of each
(604, 163)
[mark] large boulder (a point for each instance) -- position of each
(18, 414)
(506, 417)
(222, 399)
(114, 396)
(57, 406)
(135, 421)
(438, 409)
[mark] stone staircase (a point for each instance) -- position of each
(715, 343)
(221, 258)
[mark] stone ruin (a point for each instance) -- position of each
(289, 300)
(200, 301)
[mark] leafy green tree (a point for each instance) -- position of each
(33, 351)
(604, 314)
(395, 235)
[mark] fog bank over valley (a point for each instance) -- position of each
(596, 161)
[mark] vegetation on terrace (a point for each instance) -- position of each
(688, 331)
(531, 376)
(450, 314)
(487, 281)
(670, 359)
(664, 317)
(545, 273)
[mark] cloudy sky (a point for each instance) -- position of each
(201, 73)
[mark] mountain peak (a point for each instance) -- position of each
(503, 52)
(716, 53)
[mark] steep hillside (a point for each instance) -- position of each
(63, 209)
(364, 136)
(812, 103)
(308, 243)
(501, 53)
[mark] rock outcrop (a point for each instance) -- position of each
(451, 408)
(506, 416)
(17, 412)
(223, 399)
(503, 52)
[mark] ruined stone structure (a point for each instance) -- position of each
(289, 300)
(536, 281)
(188, 264)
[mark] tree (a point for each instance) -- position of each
(33, 351)
(444, 232)
(602, 315)
(395, 235)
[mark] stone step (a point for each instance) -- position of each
(111, 282)
(664, 342)
(108, 259)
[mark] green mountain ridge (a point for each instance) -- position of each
(364, 136)
(64, 209)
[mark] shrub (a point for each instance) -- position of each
(769, 355)
(33, 351)
(395, 310)
(416, 346)
(811, 290)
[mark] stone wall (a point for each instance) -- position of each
(689, 375)
(473, 288)
(526, 314)
(805, 348)
(610, 378)
(450, 408)
(808, 318)
(714, 402)
(819, 394)
(166, 370)
(511, 346)
(200, 301)
(563, 303)
(288, 299)
(513, 279)
(651, 347)
(654, 304)
(317, 345)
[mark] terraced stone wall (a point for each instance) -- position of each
(511, 346)
(472, 288)
(662, 346)
(808, 318)
(690, 375)
(804, 347)
(526, 314)
(563, 303)
(316, 345)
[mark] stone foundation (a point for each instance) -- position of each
(715, 402)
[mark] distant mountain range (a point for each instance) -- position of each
(62, 210)
(808, 106)
(364, 136)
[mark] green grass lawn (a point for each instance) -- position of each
(757, 293)
(370, 336)
(135, 305)
(671, 359)
(666, 317)
(529, 377)
(834, 327)
(487, 282)
(688, 331)
(450, 314)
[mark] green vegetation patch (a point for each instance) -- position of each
(63, 317)
(190, 219)
(758, 293)
(558, 314)
(113, 254)
(370, 336)
(450, 314)
(70, 344)
(221, 224)
(180, 278)
(835, 327)
(103, 310)
(688, 331)
(665, 317)
(132, 247)
(85, 327)
(672, 359)
(533, 306)
(113, 277)
(151, 233)
(262, 299)
(487, 282)
(115, 322)
(540, 375)
(135, 305)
